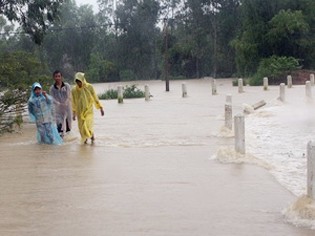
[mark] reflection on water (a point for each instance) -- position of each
(148, 173)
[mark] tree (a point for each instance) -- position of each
(101, 70)
(205, 29)
(287, 29)
(34, 16)
(250, 43)
(275, 27)
(70, 41)
(136, 22)
(5, 37)
(18, 71)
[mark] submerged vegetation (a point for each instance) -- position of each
(128, 92)
(12, 107)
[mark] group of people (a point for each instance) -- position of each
(53, 113)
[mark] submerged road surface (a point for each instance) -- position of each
(150, 173)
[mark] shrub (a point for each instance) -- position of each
(12, 105)
(129, 92)
(133, 92)
(273, 67)
(109, 94)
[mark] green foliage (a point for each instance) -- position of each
(246, 55)
(12, 105)
(101, 70)
(127, 75)
(34, 16)
(287, 28)
(20, 70)
(136, 44)
(275, 27)
(286, 23)
(194, 38)
(109, 94)
(273, 67)
(133, 92)
(129, 92)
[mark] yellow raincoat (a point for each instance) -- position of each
(82, 105)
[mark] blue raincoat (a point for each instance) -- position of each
(42, 113)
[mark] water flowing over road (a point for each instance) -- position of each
(151, 172)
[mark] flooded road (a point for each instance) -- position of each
(150, 172)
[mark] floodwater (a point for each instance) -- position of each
(153, 170)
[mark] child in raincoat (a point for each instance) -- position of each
(40, 107)
(83, 98)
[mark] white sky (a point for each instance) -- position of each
(90, 2)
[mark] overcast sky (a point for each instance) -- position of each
(90, 2)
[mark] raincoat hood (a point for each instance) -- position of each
(35, 85)
(80, 76)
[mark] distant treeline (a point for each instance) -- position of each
(152, 39)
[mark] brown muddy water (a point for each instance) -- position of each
(149, 172)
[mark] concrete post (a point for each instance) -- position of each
(308, 90)
(239, 129)
(214, 87)
(184, 90)
(265, 83)
(228, 116)
(228, 98)
(146, 92)
(289, 81)
(311, 170)
(228, 111)
(120, 95)
(240, 86)
(282, 92)
(312, 79)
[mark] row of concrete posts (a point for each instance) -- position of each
(239, 144)
(239, 122)
(120, 93)
(240, 84)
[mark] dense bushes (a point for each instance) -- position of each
(129, 92)
(273, 67)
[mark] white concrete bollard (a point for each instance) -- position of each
(240, 86)
(289, 81)
(311, 170)
(214, 87)
(120, 95)
(228, 111)
(228, 98)
(239, 130)
(312, 79)
(282, 92)
(308, 90)
(228, 116)
(265, 83)
(146, 93)
(184, 90)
